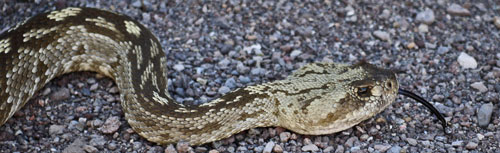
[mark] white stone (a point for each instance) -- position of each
(467, 61)
(382, 35)
(311, 148)
(269, 147)
(426, 16)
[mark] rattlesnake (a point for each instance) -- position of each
(319, 98)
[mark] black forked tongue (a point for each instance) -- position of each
(426, 104)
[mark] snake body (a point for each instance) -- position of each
(319, 98)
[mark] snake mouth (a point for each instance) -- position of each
(426, 104)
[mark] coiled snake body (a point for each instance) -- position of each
(319, 98)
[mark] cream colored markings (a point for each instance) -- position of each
(163, 66)
(101, 22)
(62, 14)
(132, 28)
(146, 74)
(237, 99)
(38, 33)
(184, 110)
(212, 103)
(154, 48)
(5, 46)
(158, 98)
(138, 53)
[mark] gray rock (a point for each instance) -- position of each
(60, 94)
(471, 146)
(394, 149)
(258, 149)
(183, 146)
(484, 114)
(423, 28)
(355, 148)
(170, 149)
(284, 136)
(426, 17)
(467, 61)
(328, 149)
(111, 125)
(257, 71)
(231, 83)
(455, 9)
(224, 90)
(244, 79)
(340, 149)
(269, 147)
(75, 147)
(97, 141)
(411, 141)
(479, 86)
(310, 147)
(56, 129)
(90, 149)
(277, 149)
(382, 148)
(295, 53)
(224, 62)
(457, 143)
(382, 35)
(385, 14)
(442, 50)
(178, 67)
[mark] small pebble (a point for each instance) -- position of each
(467, 61)
(183, 147)
(411, 141)
(426, 17)
(111, 125)
(423, 28)
(178, 67)
(278, 149)
(224, 90)
(56, 129)
(284, 136)
(411, 45)
(496, 21)
(484, 114)
(471, 145)
(340, 149)
(269, 147)
(328, 149)
(455, 9)
(382, 148)
(457, 143)
(170, 149)
(382, 35)
(479, 86)
(310, 147)
(394, 149)
(60, 94)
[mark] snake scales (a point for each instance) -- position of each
(319, 98)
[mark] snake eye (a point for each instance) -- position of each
(363, 91)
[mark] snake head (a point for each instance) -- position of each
(327, 98)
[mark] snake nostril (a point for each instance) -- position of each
(388, 84)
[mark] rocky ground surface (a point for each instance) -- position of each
(448, 50)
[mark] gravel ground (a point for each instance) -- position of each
(449, 52)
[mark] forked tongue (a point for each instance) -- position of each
(426, 104)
